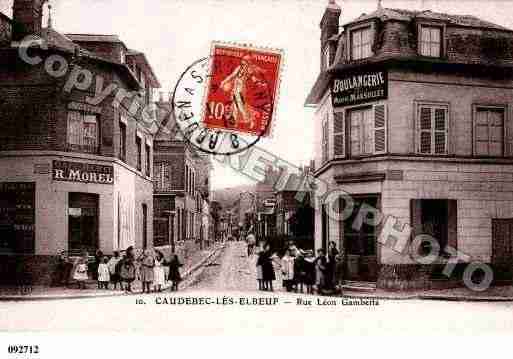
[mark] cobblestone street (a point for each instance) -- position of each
(232, 270)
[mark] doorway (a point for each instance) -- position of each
(360, 243)
(83, 222)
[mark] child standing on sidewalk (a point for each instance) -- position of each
(158, 272)
(114, 268)
(80, 274)
(103, 274)
(309, 265)
(127, 272)
(287, 270)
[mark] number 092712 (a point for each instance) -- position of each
(23, 349)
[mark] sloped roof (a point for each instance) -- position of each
(408, 15)
(94, 38)
(59, 41)
(142, 60)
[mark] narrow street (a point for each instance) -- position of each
(231, 271)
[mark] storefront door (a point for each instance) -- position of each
(83, 222)
(360, 243)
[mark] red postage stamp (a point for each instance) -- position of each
(242, 89)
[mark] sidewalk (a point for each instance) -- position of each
(54, 293)
(493, 294)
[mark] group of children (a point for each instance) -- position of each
(149, 268)
(301, 269)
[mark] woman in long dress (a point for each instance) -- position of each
(267, 268)
(159, 278)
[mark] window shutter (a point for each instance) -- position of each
(325, 140)
(339, 135)
(452, 223)
(380, 130)
(440, 131)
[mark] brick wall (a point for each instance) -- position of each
(174, 158)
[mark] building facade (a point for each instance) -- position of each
(75, 173)
(182, 187)
(413, 118)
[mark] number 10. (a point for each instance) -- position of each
(216, 110)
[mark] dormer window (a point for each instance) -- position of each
(122, 56)
(430, 41)
(361, 43)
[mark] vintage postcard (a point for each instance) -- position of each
(240, 167)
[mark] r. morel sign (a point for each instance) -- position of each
(82, 172)
(352, 88)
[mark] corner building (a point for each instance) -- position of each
(413, 117)
(74, 175)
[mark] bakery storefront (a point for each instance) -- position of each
(356, 116)
(55, 205)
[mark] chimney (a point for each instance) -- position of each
(329, 25)
(27, 18)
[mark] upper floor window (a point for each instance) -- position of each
(430, 41)
(489, 131)
(361, 43)
(432, 129)
(138, 144)
(122, 139)
(148, 159)
(83, 131)
(367, 128)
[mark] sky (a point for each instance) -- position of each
(175, 33)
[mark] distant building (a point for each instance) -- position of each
(182, 186)
(414, 119)
(75, 175)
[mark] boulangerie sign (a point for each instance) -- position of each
(352, 88)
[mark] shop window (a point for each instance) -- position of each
(83, 221)
(360, 241)
(502, 241)
(138, 145)
(432, 129)
(489, 131)
(430, 41)
(367, 127)
(17, 217)
(83, 132)
(437, 218)
(148, 160)
(122, 140)
(361, 43)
